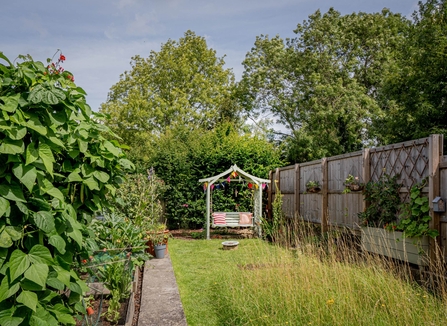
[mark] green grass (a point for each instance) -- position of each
(262, 284)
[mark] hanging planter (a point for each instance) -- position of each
(313, 186)
(352, 184)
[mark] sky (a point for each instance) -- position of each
(99, 37)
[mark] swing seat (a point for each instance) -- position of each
(232, 219)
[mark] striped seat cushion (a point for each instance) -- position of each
(219, 218)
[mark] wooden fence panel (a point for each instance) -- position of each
(287, 180)
(310, 207)
(310, 172)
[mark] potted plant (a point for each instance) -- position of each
(352, 184)
(313, 186)
(158, 235)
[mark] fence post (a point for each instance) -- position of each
(366, 176)
(297, 190)
(324, 206)
(435, 152)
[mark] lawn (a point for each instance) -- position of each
(263, 284)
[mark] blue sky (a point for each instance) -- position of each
(99, 37)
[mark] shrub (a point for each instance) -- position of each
(56, 168)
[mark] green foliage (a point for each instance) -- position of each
(273, 228)
(414, 94)
(56, 168)
(384, 201)
(323, 84)
(139, 199)
(183, 85)
(180, 158)
(415, 217)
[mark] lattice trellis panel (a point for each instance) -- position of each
(409, 160)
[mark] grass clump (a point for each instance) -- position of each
(314, 282)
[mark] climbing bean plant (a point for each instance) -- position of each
(57, 164)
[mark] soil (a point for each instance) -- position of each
(123, 309)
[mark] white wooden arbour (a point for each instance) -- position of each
(257, 205)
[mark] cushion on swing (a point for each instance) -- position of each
(219, 218)
(245, 218)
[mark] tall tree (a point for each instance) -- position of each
(184, 84)
(415, 96)
(322, 86)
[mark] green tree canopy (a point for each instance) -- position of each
(322, 86)
(184, 84)
(415, 95)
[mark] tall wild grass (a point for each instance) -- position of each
(302, 278)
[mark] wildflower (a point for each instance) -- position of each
(185, 205)
(62, 57)
(84, 261)
(104, 250)
(330, 302)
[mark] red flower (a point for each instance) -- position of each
(84, 261)
(62, 57)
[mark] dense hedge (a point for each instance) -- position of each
(182, 157)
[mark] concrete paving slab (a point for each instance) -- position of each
(160, 298)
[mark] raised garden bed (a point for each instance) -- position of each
(394, 245)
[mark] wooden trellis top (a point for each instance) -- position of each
(239, 171)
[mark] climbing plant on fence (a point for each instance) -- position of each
(56, 168)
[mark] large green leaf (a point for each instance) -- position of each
(29, 299)
(42, 318)
(48, 188)
(74, 176)
(58, 242)
(5, 240)
(44, 221)
(6, 289)
(63, 314)
(63, 275)
(11, 103)
(47, 157)
(26, 174)
(91, 183)
(35, 124)
(18, 263)
(40, 254)
(10, 146)
(16, 133)
(8, 235)
(37, 273)
(101, 176)
(32, 153)
(112, 148)
(12, 192)
(35, 96)
(4, 206)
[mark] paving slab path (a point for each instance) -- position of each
(160, 299)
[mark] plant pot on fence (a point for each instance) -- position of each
(392, 244)
(355, 187)
(160, 251)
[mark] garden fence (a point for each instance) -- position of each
(412, 161)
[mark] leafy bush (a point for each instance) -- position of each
(56, 168)
(415, 217)
(384, 200)
(139, 199)
(181, 158)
